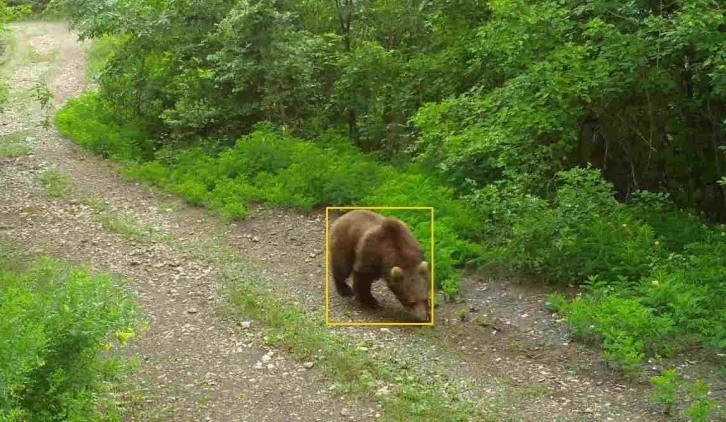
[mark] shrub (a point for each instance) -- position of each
(55, 323)
(626, 329)
(579, 232)
(267, 166)
(87, 120)
(667, 387)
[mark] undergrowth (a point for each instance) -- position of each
(57, 322)
(669, 388)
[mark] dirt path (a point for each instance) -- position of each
(508, 355)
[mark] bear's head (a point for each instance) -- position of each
(412, 287)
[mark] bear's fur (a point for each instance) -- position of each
(372, 247)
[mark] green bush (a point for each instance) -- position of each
(102, 51)
(690, 288)
(266, 166)
(89, 122)
(580, 232)
(669, 387)
(55, 323)
(625, 327)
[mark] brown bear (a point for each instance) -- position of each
(373, 247)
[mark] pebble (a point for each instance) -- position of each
(192, 310)
(308, 365)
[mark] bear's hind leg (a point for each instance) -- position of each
(362, 288)
(341, 265)
(339, 276)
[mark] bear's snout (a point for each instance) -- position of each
(420, 312)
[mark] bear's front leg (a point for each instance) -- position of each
(362, 287)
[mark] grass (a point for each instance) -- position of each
(133, 400)
(6, 46)
(13, 145)
(128, 225)
(93, 200)
(15, 57)
(57, 184)
(538, 390)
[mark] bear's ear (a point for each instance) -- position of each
(423, 267)
(396, 274)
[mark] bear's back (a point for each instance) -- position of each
(347, 231)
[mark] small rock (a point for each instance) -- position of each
(308, 365)
(344, 412)
(192, 310)
(246, 324)
(255, 239)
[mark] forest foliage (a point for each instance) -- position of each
(573, 141)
